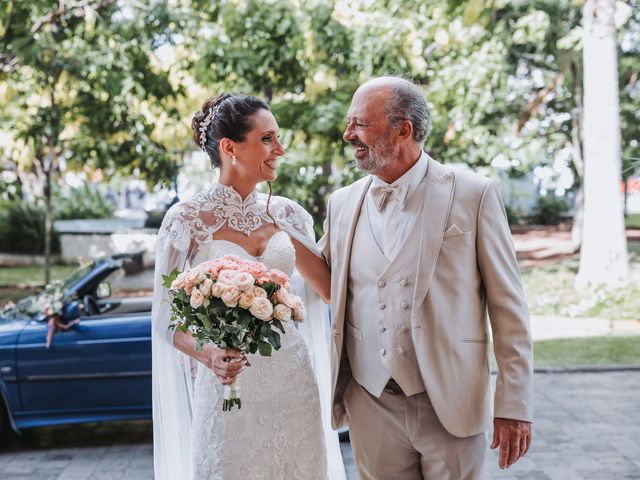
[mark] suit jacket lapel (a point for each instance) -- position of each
(435, 213)
(344, 228)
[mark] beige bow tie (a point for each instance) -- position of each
(381, 195)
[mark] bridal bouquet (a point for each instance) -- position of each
(233, 303)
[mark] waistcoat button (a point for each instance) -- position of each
(382, 306)
(382, 284)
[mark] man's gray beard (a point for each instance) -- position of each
(377, 159)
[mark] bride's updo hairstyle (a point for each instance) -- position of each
(226, 116)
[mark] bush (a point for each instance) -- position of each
(22, 228)
(82, 202)
(548, 210)
(22, 223)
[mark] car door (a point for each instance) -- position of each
(102, 364)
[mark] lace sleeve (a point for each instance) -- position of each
(296, 221)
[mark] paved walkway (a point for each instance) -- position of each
(587, 427)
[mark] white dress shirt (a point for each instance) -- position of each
(391, 226)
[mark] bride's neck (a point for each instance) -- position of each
(243, 186)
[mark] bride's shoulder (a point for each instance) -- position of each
(286, 206)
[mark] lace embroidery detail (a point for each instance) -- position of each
(192, 223)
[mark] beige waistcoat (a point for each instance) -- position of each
(378, 322)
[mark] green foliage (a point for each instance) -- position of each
(82, 202)
(22, 223)
(22, 228)
(548, 210)
(550, 290)
(81, 81)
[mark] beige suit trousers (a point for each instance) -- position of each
(400, 437)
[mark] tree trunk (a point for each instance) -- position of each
(577, 138)
(603, 256)
(48, 218)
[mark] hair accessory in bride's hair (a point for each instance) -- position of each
(205, 123)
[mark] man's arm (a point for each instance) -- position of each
(509, 317)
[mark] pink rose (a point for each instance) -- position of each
(246, 299)
(278, 277)
(298, 311)
(205, 287)
(229, 278)
(244, 281)
(284, 297)
(196, 298)
(230, 296)
(261, 308)
(257, 291)
(282, 312)
(217, 289)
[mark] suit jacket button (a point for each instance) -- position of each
(404, 329)
(383, 352)
(401, 351)
(404, 282)
(382, 284)
(404, 306)
(336, 333)
(382, 306)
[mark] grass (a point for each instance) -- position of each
(588, 351)
(550, 291)
(18, 282)
(608, 350)
(32, 276)
(632, 220)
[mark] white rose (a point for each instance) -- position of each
(261, 308)
(230, 296)
(228, 278)
(282, 312)
(196, 298)
(244, 281)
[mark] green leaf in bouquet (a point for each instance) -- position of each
(278, 325)
(264, 348)
(167, 280)
(206, 323)
(270, 288)
(253, 347)
(274, 340)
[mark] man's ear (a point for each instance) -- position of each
(227, 147)
(405, 130)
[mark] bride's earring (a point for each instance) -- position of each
(234, 160)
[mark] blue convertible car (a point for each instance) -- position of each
(99, 369)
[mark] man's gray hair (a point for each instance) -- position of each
(407, 102)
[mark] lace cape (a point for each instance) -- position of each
(188, 227)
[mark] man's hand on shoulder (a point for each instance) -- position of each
(514, 439)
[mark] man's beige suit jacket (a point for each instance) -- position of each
(465, 267)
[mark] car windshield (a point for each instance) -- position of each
(76, 275)
(29, 307)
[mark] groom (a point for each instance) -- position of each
(419, 253)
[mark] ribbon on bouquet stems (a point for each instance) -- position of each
(231, 393)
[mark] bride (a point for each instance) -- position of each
(283, 429)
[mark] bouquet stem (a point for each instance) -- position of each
(231, 397)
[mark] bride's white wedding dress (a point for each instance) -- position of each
(277, 434)
(283, 430)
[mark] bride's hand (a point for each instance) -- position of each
(226, 363)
